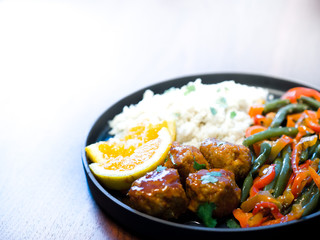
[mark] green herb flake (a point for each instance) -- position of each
(220, 144)
(231, 223)
(197, 166)
(222, 102)
(210, 177)
(213, 111)
(204, 212)
(214, 174)
(233, 114)
(160, 168)
(190, 88)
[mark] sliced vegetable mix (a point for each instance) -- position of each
(284, 181)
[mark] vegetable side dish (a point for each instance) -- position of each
(272, 177)
(283, 182)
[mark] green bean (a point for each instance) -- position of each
(312, 202)
(316, 153)
(313, 103)
(269, 133)
(247, 184)
(312, 149)
(274, 105)
(278, 165)
(304, 156)
(265, 150)
(285, 172)
(253, 156)
(284, 111)
(304, 197)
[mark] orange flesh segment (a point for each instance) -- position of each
(134, 149)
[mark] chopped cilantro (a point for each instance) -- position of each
(213, 111)
(204, 212)
(160, 168)
(190, 88)
(222, 102)
(220, 144)
(231, 223)
(215, 174)
(198, 166)
(233, 114)
(210, 177)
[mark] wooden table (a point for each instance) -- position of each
(62, 63)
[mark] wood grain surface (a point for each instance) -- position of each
(62, 63)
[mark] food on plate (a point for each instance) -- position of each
(119, 161)
(186, 159)
(199, 110)
(159, 193)
(233, 157)
(283, 182)
(216, 153)
(214, 186)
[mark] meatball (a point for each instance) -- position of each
(216, 186)
(186, 159)
(236, 158)
(159, 193)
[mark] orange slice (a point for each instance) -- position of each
(118, 162)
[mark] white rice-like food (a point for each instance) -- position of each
(200, 111)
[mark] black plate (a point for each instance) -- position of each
(154, 227)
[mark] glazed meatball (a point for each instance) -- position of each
(216, 186)
(236, 158)
(159, 193)
(186, 159)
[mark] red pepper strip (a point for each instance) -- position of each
(248, 219)
(303, 131)
(264, 196)
(256, 220)
(315, 176)
(267, 178)
(279, 145)
(312, 120)
(263, 120)
(305, 165)
(268, 205)
(255, 109)
(292, 119)
(300, 181)
(302, 145)
(295, 213)
(254, 190)
(302, 178)
(286, 198)
(294, 93)
(313, 125)
(261, 182)
(242, 217)
(254, 129)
